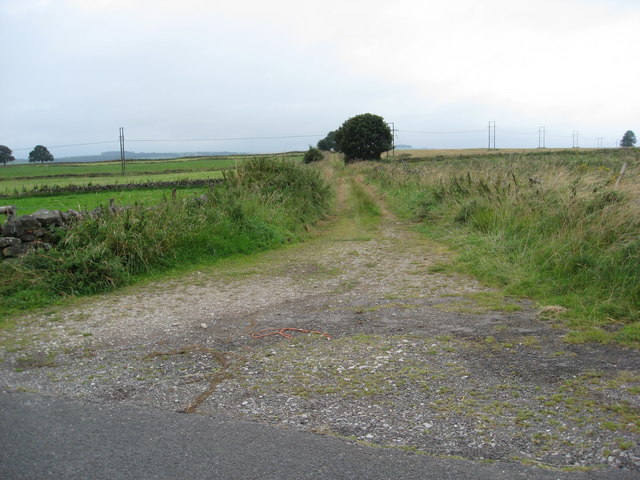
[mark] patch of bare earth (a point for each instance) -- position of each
(417, 359)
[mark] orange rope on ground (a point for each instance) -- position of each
(282, 331)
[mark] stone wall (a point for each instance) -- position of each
(54, 189)
(20, 235)
(26, 233)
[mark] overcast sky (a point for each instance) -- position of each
(74, 71)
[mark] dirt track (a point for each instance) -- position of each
(418, 360)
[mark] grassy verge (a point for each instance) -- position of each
(552, 227)
(262, 204)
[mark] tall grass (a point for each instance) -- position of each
(551, 227)
(262, 204)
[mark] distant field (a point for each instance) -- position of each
(16, 187)
(114, 167)
(134, 167)
(19, 183)
(88, 201)
(21, 179)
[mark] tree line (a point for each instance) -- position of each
(40, 153)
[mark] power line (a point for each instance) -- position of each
(542, 133)
(177, 140)
(442, 133)
(518, 133)
(227, 139)
(70, 145)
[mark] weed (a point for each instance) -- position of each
(624, 444)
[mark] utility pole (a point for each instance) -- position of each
(574, 139)
(122, 159)
(492, 135)
(600, 141)
(393, 139)
(541, 137)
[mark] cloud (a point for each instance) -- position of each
(253, 67)
(544, 58)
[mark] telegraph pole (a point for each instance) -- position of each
(541, 137)
(393, 139)
(574, 139)
(600, 141)
(122, 159)
(492, 135)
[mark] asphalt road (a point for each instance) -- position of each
(54, 437)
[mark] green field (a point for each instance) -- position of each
(22, 185)
(114, 168)
(19, 179)
(14, 188)
(88, 201)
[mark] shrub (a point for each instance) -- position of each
(313, 155)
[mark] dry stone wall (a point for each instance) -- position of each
(20, 235)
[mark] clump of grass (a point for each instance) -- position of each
(552, 227)
(363, 207)
(262, 204)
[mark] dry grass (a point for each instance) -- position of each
(549, 225)
(452, 152)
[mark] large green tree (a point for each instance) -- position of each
(40, 154)
(329, 142)
(6, 155)
(364, 137)
(628, 139)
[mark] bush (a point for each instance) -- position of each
(313, 155)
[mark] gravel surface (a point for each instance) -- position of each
(417, 360)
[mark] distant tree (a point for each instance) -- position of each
(312, 155)
(40, 154)
(628, 139)
(364, 137)
(6, 155)
(329, 143)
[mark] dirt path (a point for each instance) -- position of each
(418, 360)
